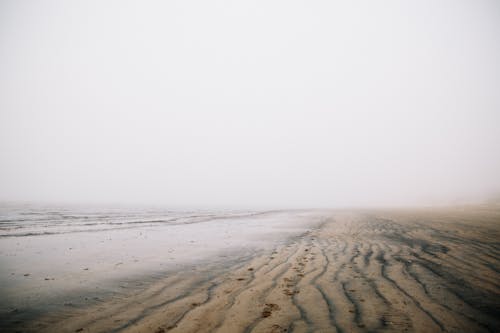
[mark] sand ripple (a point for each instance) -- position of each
(364, 271)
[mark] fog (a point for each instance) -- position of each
(250, 103)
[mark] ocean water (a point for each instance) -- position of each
(35, 220)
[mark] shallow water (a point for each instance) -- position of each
(30, 220)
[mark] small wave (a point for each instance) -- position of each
(94, 222)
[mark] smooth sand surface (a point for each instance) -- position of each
(358, 271)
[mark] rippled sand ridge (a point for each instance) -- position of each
(391, 271)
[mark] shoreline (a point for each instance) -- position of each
(31, 293)
(400, 271)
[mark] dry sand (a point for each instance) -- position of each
(400, 270)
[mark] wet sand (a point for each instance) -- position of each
(358, 271)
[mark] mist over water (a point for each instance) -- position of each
(287, 104)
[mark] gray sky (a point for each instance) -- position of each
(250, 103)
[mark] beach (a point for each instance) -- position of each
(249, 166)
(394, 270)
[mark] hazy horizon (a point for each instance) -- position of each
(273, 104)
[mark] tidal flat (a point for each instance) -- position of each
(394, 270)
